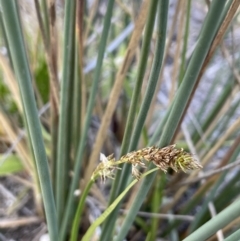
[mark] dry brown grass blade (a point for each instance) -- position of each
(23, 151)
(12, 83)
(124, 8)
(13, 223)
(21, 146)
(234, 127)
(90, 20)
(117, 88)
(232, 65)
(218, 117)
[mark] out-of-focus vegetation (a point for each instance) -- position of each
(80, 78)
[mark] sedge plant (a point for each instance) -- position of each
(89, 77)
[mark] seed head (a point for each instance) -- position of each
(163, 158)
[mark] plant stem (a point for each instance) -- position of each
(77, 218)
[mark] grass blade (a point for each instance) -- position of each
(21, 67)
(216, 223)
(64, 131)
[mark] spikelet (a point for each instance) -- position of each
(163, 158)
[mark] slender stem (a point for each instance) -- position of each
(183, 61)
(112, 207)
(64, 132)
(77, 218)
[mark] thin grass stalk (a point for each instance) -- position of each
(209, 93)
(221, 100)
(76, 118)
(12, 83)
(54, 120)
(53, 37)
(52, 72)
(79, 28)
(159, 129)
(82, 143)
(27, 157)
(21, 67)
(134, 101)
(213, 126)
(41, 24)
(64, 131)
(45, 19)
(78, 78)
(219, 221)
(222, 195)
(21, 147)
(180, 102)
(157, 200)
(4, 36)
(185, 42)
(78, 215)
(220, 128)
(91, 15)
(177, 55)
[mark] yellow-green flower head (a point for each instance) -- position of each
(163, 158)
